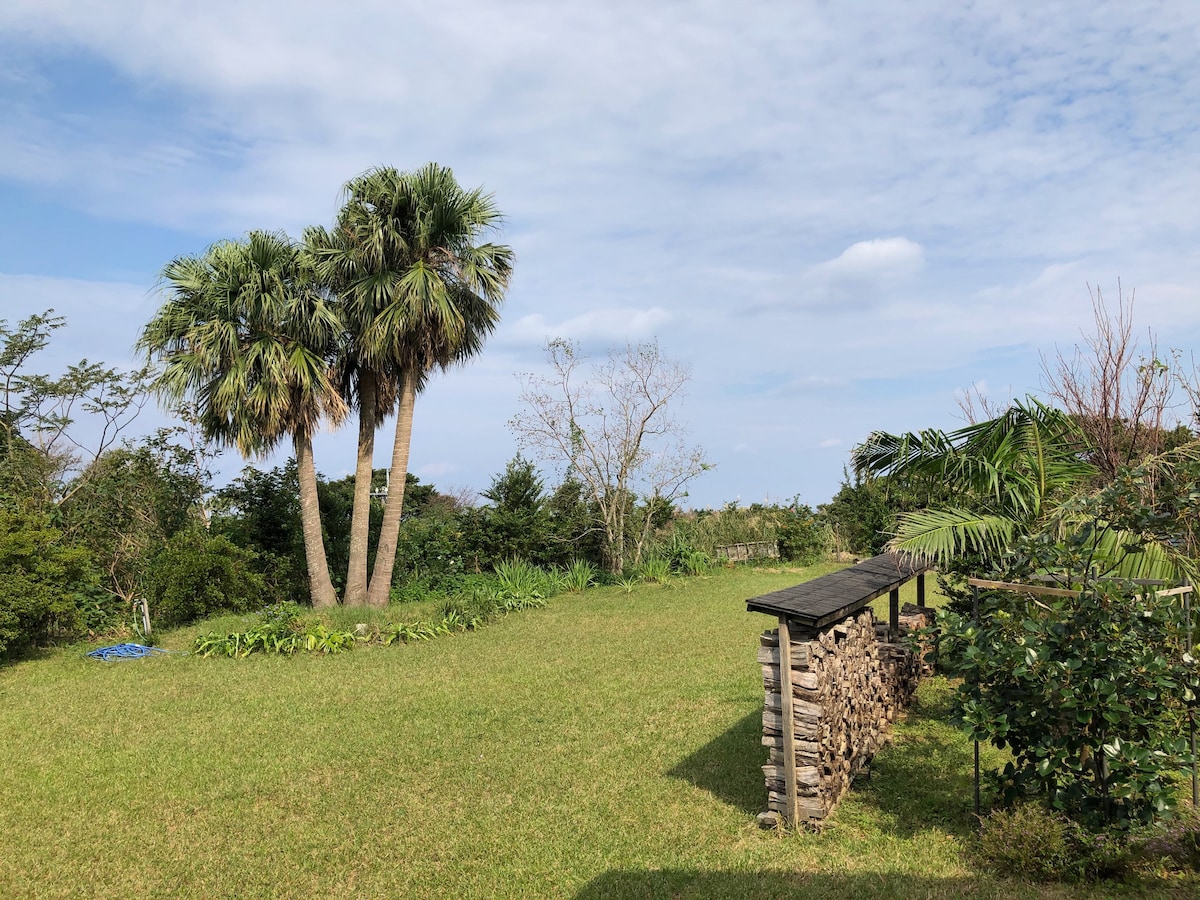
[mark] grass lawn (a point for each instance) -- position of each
(606, 746)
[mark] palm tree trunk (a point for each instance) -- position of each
(389, 534)
(319, 583)
(360, 518)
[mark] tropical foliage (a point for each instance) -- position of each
(1087, 684)
(1006, 474)
(419, 290)
(246, 335)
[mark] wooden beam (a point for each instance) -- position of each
(921, 590)
(894, 614)
(787, 708)
(1022, 588)
(1056, 592)
(1174, 592)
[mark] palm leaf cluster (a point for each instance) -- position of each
(1023, 472)
(245, 334)
(1005, 472)
(269, 337)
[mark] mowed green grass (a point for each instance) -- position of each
(606, 746)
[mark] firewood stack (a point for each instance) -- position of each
(847, 687)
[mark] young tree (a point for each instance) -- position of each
(612, 428)
(44, 454)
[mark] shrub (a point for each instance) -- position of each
(654, 570)
(1035, 843)
(802, 536)
(517, 579)
(1087, 690)
(196, 575)
(283, 628)
(41, 583)
(683, 558)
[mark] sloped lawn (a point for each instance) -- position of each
(607, 746)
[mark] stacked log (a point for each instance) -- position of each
(847, 688)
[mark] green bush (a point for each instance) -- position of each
(654, 570)
(580, 576)
(518, 580)
(683, 558)
(196, 575)
(41, 584)
(282, 628)
(802, 536)
(1030, 841)
(1086, 690)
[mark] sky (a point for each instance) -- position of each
(840, 215)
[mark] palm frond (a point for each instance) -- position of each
(940, 535)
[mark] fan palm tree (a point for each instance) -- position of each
(245, 337)
(420, 291)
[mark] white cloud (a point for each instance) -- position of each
(912, 200)
(830, 442)
(591, 327)
(872, 261)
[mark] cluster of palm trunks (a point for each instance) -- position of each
(849, 683)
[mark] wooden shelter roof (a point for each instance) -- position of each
(831, 598)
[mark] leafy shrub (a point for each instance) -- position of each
(802, 536)
(683, 558)
(283, 628)
(41, 582)
(517, 579)
(466, 613)
(1041, 845)
(196, 575)
(1086, 690)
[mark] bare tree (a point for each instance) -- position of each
(612, 427)
(976, 407)
(1120, 395)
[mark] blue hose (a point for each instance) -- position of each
(118, 652)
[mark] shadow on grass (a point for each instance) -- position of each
(922, 780)
(767, 885)
(925, 778)
(728, 767)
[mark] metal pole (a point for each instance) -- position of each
(975, 617)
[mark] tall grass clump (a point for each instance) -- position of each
(519, 580)
(580, 576)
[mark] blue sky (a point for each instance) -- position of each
(838, 214)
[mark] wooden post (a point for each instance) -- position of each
(787, 712)
(921, 590)
(1187, 614)
(975, 619)
(894, 615)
